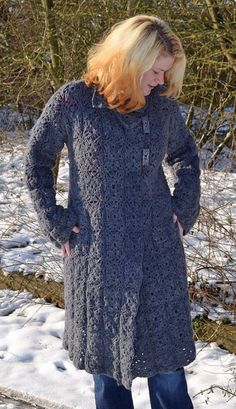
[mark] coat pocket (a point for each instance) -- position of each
(177, 231)
(164, 234)
(82, 237)
(81, 240)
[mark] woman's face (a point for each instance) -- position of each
(155, 75)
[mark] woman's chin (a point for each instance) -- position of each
(147, 92)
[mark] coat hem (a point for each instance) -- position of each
(99, 369)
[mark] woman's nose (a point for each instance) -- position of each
(160, 79)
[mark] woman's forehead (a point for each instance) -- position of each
(163, 63)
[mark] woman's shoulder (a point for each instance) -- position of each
(74, 90)
(72, 98)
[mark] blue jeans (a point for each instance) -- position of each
(167, 390)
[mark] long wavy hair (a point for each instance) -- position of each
(116, 64)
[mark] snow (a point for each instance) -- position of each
(33, 365)
(39, 370)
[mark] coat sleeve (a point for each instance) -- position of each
(182, 156)
(47, 139)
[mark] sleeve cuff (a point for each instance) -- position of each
(186, 221)
(60, 226)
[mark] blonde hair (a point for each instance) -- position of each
(116, 64)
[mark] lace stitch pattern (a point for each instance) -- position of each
(127, 311)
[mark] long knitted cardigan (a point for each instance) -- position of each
(127, 309)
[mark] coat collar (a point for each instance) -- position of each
(99, 102)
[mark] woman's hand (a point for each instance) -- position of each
(175, 219)
(65, 248)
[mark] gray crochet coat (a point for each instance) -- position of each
(127, 310)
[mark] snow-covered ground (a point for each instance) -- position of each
(35, 368)
(10, 403)
(33, 365)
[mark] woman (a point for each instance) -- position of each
(126, 297)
